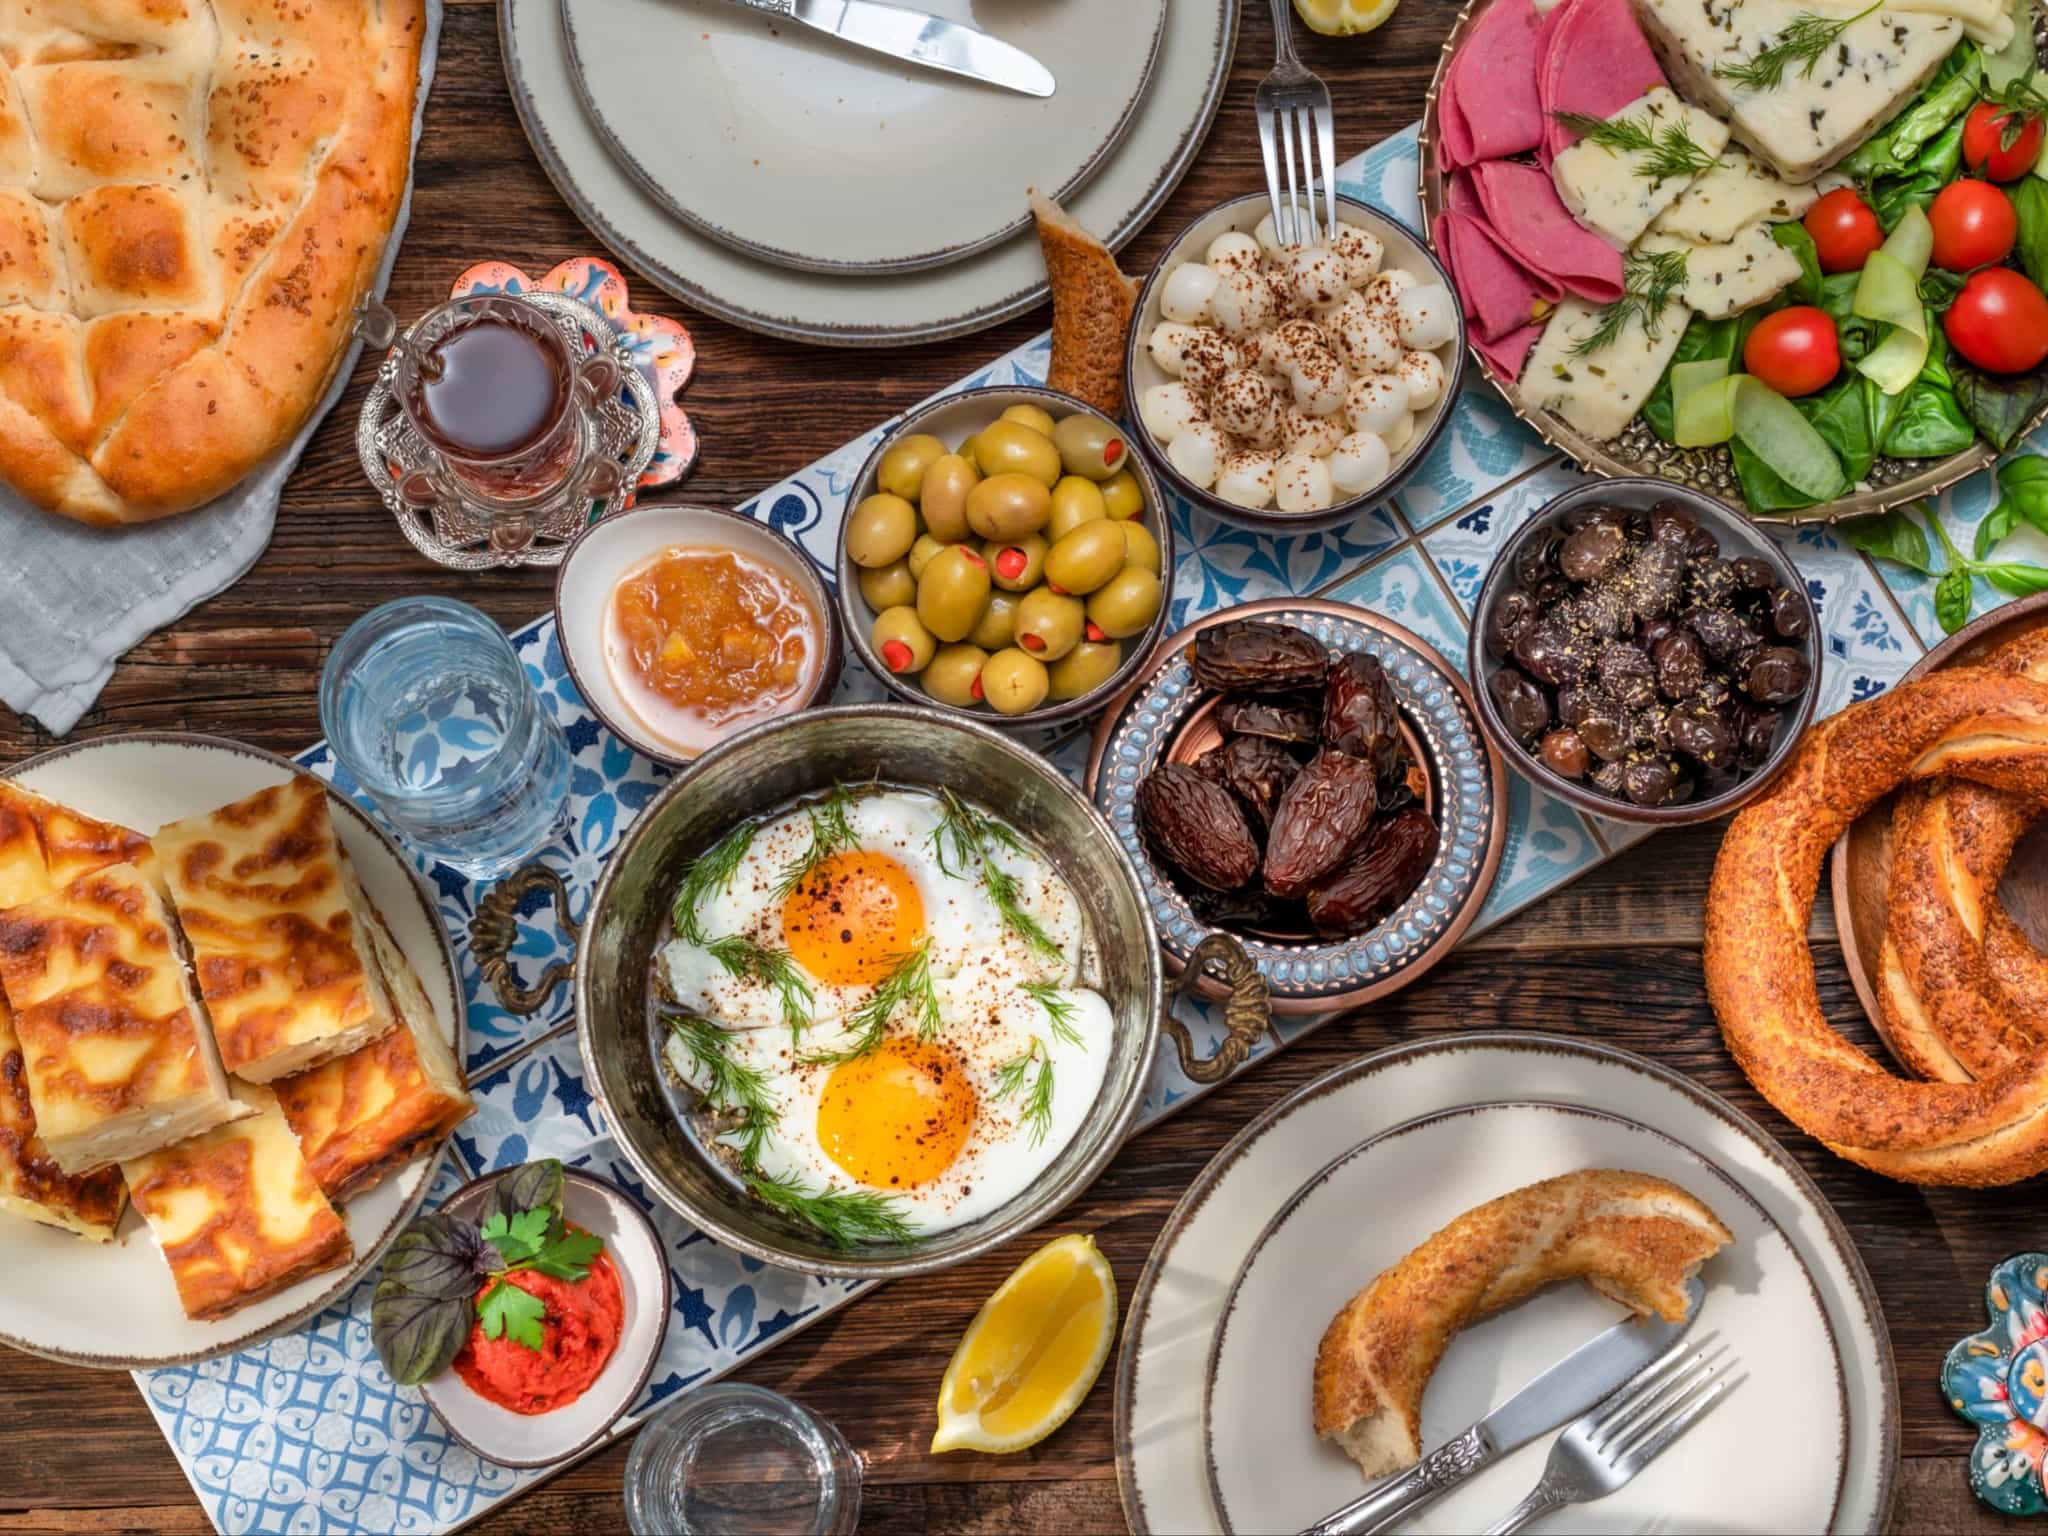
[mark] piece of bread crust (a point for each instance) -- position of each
(1634, 1238)
(1092, 304)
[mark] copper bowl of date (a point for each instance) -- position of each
(1644, 652)
(1311, 779)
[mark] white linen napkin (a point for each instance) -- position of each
(75, 599)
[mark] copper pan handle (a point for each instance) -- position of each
(495, 929)
(1247, 1011)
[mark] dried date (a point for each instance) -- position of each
(1256, 770)
(1248, 907)
(1389, 861)
(1197, 826)
(1249, 653)
(1360, 715)
(1320, 819)
(1295, 718)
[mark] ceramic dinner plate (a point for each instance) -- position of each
(1472, 1144)
(1167, 130)
(1268, 1471)
(800, 150)
(114, 1304)
(511, 1439)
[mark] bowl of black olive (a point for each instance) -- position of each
(1644, 652)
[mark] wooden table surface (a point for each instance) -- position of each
(1615, 957)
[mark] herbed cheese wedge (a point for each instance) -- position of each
(276, 930)
(1804, 123)
(236, 1211)
(115, 1050)
(1725, 279)
(1731, 196)
(1988, 21)
(1599, 393)
(1611, 191)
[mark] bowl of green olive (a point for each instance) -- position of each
(1005, 553)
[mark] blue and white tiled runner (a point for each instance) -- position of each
(307, 1433)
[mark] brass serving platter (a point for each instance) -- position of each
(1640, 451)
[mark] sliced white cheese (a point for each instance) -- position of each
(1988, 21)
(1805, 123)
(1727, 278)
(1737, 192)
(1608, 190)
(1601, 392)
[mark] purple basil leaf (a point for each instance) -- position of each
(417, 1336)
(439, 1256)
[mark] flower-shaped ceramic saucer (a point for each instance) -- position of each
(1998, 1380)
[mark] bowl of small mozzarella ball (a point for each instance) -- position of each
(1292, 387)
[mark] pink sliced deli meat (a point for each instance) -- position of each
(1595, 62)
(1488, 107)
(1500, 295)
(1520, 203)
(1506, 356)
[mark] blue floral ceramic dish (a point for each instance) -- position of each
(1468, 794)
(1998, 1380)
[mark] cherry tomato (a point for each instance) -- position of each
(1999, 322)
(1974, 225)
(1984, 146)
(1844, 230)
(1794, 351)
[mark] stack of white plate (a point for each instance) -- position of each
(802, 187)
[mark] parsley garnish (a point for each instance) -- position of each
(1672, 151)
(831, 833)
(1650, 281)
(537, 1240)
(749, 960)
(1010, 1077)
(710, 871)
(909, 982)
(846, 1217)
(963, 836)
(1805, 39)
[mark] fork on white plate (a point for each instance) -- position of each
(1627, 1430)
(1293, 106)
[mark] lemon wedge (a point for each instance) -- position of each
(1031, 1353)
(1340, 18)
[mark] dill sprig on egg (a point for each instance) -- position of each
(965, 835)
(731, 1085)
(710, 871)
(749, 960)
(831, 833)
(847, 1218)
(1059, 1011)
(909, 982)
(1037, 1112)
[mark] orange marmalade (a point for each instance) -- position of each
(700, 641)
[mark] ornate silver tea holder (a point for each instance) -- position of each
(452, 531)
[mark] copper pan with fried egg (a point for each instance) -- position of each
(764, 769)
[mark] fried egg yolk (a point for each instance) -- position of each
(898, 1116)
(853, 917)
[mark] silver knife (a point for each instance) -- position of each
(918, 38)
(1578, 1381)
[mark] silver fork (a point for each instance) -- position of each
(1293, 103)
(1625, 1433)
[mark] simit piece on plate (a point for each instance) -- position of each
(116, 1051)
(236, 1211)
(275, 920)
(1092, 302)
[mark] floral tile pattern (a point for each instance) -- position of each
(306, 1432)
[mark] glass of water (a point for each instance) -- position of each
(426, 703)
(741, 1461)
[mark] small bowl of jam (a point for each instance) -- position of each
(684, 625)
(1644, 652)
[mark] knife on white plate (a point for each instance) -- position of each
(918, 38)
(1578, 1381)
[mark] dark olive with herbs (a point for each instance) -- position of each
(1256, 770)
(1252, 653)
(1514, 612)
(1655, 580)
(1387, 865)
(1292, 717)
(1319, 820)
(1360, 715)
(1536, 563)
(1776, 675)
(1672, 522)
(1600, 612)
(1548, 653)
(1520, 702)
(1790, 617)
(1591, 553)
(1711, 584)
(1565, 754)
(1650, 631)
(1681, 662)
(1754, 573)
(1197, 826)
(1704, 735)
(1606, 730)
(1758, 733)
(1625, 672)
(1606, 777)
(1721, 631)
(1595, 513)
(1650, 780)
